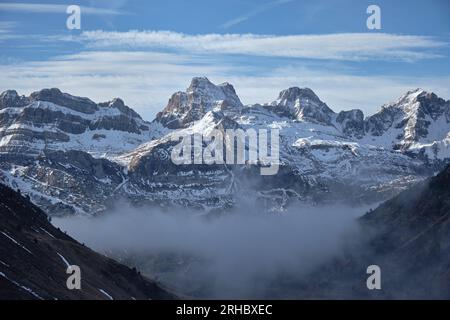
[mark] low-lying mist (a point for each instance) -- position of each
(233, 255)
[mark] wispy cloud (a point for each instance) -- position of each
(145, 80)
(7, 26)
(340, 46)
(255, 12)
(53, 8)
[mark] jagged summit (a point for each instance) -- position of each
(52, 119)
(119, 104)
(412, 123)
(416, 120)
(57, 97)
(407, 101)
(209, 92)
(302, 104)
(10, 99)
(200, 97)
(410, 95)
(9, 95)
(293, 93)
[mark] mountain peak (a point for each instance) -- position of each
(417, 90)
(207, 91)
(408, 101)
(411, 96)
(302, 104)
(200, 97)
(10, 98)
(416, 95)
(204, 84)
(417, 117)
(54, 95)
(9, 94)
(119, 104)
(52, 120)
(296, 92)
(199, 82)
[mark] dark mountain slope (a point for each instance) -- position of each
(408, 237)
(34, 257)
(412, 238)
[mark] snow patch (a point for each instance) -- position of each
(63, 259)
(16, 242)
(21, 286)
(106, 294)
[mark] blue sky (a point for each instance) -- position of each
(143, 51)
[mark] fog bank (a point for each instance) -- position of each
(233, 255)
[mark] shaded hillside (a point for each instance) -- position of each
(407, 236)
(34, 257)
(412, 236)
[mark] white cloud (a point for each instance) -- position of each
(342, 46)
(7, 26)
(146, 80)
(52, 8)
(111, 4)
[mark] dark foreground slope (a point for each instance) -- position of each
(412, 239)
(408, 237)
(34, 257)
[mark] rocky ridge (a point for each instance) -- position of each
(73, 155)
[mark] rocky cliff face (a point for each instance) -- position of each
(302, 104)
(50, 119)
(73, 155)
(57, 147)
(352, 123)
(201, 96)
(417, 123)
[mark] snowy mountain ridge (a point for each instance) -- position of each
(73, 155)
(50, 119)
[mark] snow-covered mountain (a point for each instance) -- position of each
(80, 155)
(302, 105)
(55, 147)
(52, 120)
(418, 122)
(201, 97)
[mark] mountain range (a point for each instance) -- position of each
(67, 155)
(74, 156)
